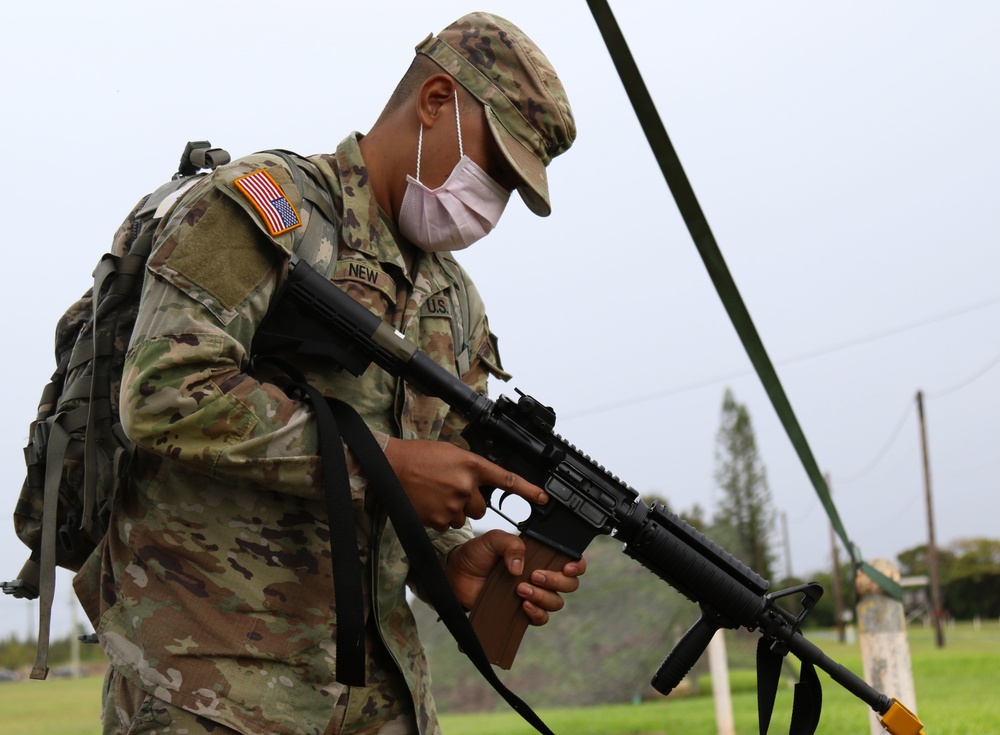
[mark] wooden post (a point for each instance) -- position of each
(788, 546)
(74, 640)
(718, 665)
(885, 651)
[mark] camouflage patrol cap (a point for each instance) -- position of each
(526, 104)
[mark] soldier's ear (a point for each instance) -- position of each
(435, 93)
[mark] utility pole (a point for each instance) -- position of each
(838, 598)
(932, 560)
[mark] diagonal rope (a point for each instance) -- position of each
(701, 233)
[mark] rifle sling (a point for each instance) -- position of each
(345, 558)
(420, 551)
(807, 702)
(768, 676)
(339, 424)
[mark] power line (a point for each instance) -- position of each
(893, 331)
(688, 387)
(906, 412)
(968, 381)
(884, 451)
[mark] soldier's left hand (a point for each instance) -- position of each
(471, 563)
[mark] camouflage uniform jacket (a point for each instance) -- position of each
(214, 588)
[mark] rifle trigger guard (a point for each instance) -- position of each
(486, 491)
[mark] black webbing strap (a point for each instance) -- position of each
(347, 590)
(420, 551)
(346, 560)
(807, 702)
(768, 676)
(704, 240)
(339, 423)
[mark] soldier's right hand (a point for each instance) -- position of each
(443, 481)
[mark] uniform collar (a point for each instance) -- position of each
(365, 227)
(361, 227)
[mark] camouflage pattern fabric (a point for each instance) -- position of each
(128, 710)
(213, 590)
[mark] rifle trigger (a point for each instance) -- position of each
(497, 509)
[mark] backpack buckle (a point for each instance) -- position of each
(198, 155)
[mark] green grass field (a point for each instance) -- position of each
(958, 693)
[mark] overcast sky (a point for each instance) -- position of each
(844, 153)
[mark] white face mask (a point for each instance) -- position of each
(456, 214)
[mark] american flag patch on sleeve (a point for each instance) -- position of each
(268, 199)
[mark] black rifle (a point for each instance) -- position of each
(585, 500)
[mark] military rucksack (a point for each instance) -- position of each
(77, 455)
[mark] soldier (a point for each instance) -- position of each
(212, 593)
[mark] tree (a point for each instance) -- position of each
(970, 575)
(746, 516)
(916, 561)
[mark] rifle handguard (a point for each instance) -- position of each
(497, 616)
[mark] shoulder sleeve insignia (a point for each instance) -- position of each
(268, 199)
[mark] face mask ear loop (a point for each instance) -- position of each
(458, 125)
(420, 144)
